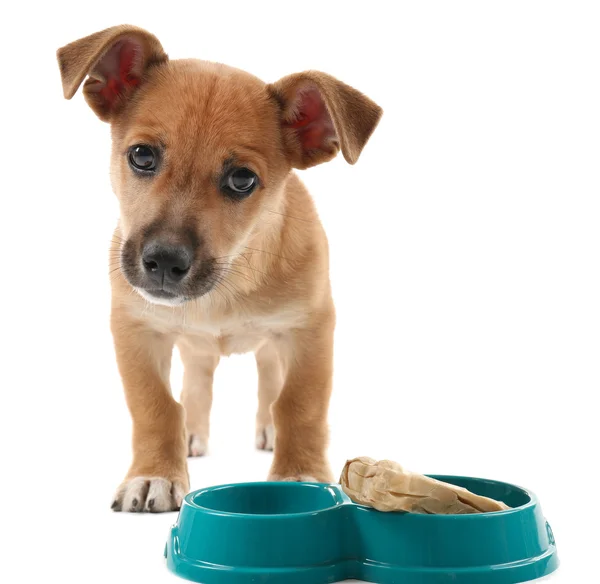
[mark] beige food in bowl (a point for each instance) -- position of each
(386, 486)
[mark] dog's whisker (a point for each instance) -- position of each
(290, 216)
(233, 262)
(241, 268)
(267, 252)
(228, 286)
(221, 281)
(218, 288)
(240, 275)
(234, 255)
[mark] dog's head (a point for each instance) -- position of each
(201, 150)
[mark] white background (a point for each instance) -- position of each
(464, 246)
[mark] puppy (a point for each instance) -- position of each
(218, 249)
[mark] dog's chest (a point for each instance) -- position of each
(242, 341)
(239, 336)
(219, 334)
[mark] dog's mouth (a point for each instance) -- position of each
(197, 286)
(188, 291)
(162, 294)
(159, 296)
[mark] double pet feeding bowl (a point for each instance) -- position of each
(307, 533)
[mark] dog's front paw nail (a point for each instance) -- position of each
(150, 494)
(265, 438)
(197, 446)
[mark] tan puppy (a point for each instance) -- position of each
(219, 249)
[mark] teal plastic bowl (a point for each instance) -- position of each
(305, 533)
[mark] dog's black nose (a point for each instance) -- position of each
(166, 263)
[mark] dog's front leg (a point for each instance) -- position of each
(300, 412)
(158, 477)
(270, 382)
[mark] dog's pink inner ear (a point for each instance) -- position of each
(312, 122)
(118, 72)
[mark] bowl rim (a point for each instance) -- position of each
(342, 500)
(338, 494)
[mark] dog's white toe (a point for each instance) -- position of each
(150, 494)
(133, 495)
(265, 438)
(159, 497)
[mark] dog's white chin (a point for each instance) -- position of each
(162, 301)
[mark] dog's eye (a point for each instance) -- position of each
(240, 182)
(142, 157)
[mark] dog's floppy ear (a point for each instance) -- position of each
(320, 115)
(115, 60)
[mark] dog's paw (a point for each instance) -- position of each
(149, 494)
(311, 473)
(265, 437)
(197, 446)
(297, 478)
